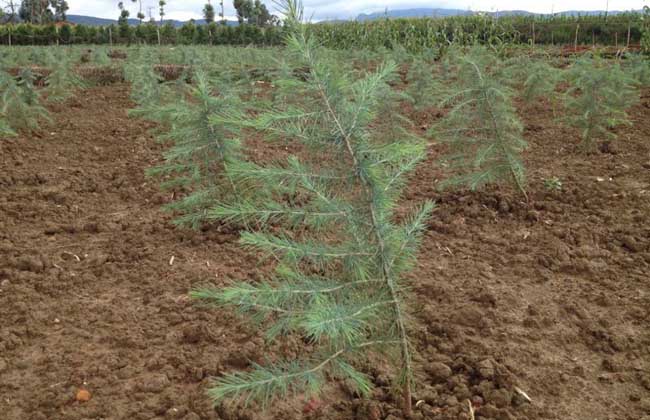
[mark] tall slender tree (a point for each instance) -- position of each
(10, 9)
(36, 11)
(244, 9)
(140, 14)
(123, 22)
(60, 10)
(208, 12)
(161, 5)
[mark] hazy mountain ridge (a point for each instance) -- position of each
(439, 13)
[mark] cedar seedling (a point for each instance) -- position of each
(638, 67)
(534, 79)
(5, 128)
(391, 123)
(62, 81)
(100, 56)
(482, 126)
(19, 104)
(200, 147)
(340, 282)
(422, 84)
(599, 96)
(147, 88)
(541, 81)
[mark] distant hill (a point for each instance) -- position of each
(95, 21)
(441, 13)
(414, 13)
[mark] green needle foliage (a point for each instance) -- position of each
(422, 84)
(343, 254)
(482, 127)
(638, 67)
(5, 128)
(599, 96)
(534, 78)
(200, 147)
(100, 56)
(62, 81)
(541, 81)
(19, 105)
(146, 85)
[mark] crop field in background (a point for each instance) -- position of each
(132, 178)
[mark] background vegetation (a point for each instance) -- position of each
(412, 34)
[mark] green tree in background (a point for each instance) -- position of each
(252, 12)
(36, 11)
(161, 5)
(9, 11)
(124, 30)
(140, 14)
(208, 13)
(60, 10)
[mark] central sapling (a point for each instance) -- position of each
(342, 251)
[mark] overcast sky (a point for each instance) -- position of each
(344, 9)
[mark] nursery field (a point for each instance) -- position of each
(528, 298)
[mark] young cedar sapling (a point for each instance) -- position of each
(422, 84)
(19, 104)
(533, 79)
(146, 85)
(598, 99)
(62, 81)
(5, 128)
(100, 56)
(637, 66)
(199, 147)
(482, 127)
(340, 281)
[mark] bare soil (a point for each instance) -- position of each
(549, 297)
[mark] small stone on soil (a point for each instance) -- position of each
(154, 383)
(30, 263)
(631, 244)
(83, 395)
(486, 369)
(439, 372)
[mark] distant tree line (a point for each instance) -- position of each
(412, 34)
(147, 33)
